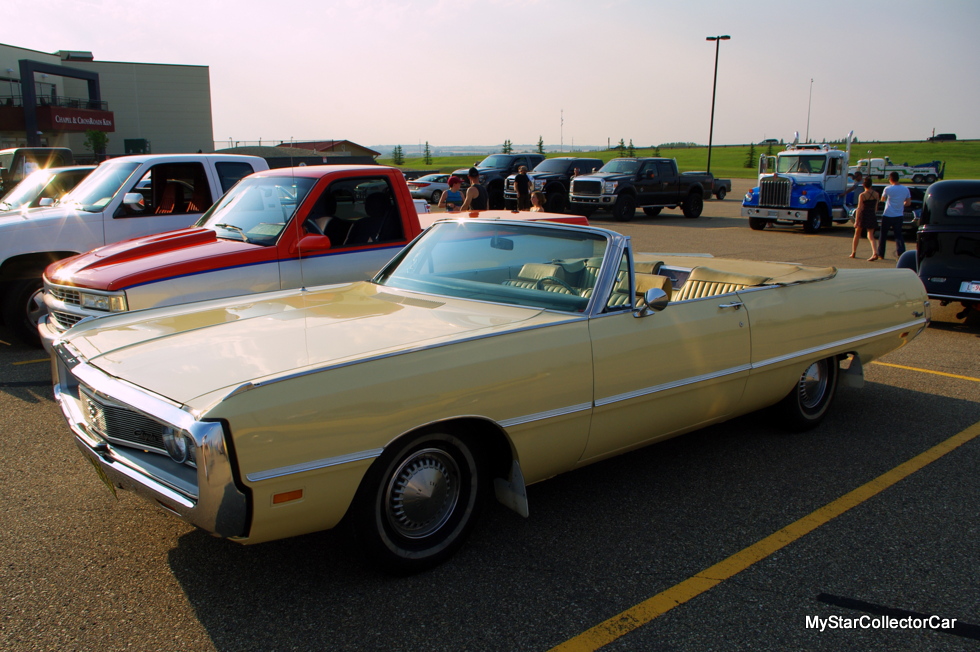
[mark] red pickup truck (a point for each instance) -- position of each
(278, 229)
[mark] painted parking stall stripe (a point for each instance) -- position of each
(641, 614)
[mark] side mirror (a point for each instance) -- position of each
(310, 244)
(46, 201)
(654, 300)
(134, 200)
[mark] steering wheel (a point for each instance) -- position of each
(557, 281)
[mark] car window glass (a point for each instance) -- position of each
(359, 211)
(170, 189)
(231, 172)
(621, 297)
(967, 207)
(257, 209)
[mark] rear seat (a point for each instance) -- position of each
(707, 282)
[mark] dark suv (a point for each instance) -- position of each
(947, 255)
(553, 177)
(495, 168)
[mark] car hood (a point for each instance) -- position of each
(603, 176)
(196, 354)
(153, 258)
(46, 214)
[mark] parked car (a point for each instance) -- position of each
(43, 187)
(488, 355)
(553, 177)
(947, 252)
(17, 163)
(910, 221)
(430, 187)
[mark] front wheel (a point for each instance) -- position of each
(23, 307)
(808, 402)
(555, 202)
(418, 502)
(496, 198)
(625, 208)
(757, 223)
(815, 220)
(693, 206)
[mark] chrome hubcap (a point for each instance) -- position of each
(36, 307)
(813, 385)
(423, 493)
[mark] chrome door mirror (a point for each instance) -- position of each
(654, 300)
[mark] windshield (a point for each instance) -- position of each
(497, 161)
(27, 190)
(552, 165)
(554, 269)
(621, 165)
(802, 164)
(98, 188)
(257, 209)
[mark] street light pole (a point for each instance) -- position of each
(714, 87)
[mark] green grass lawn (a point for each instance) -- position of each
(728, 161)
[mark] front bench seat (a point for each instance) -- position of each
(534, 276)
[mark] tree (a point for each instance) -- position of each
(750, 159)
(656, 151)
(769, 149)
(397, 155)
(507, 148)
(631, 152)
(428, 154)
(621, 147)
(96, 141)
(540, 145)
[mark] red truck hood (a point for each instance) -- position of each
(153, 258)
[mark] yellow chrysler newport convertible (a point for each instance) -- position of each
(488, 355)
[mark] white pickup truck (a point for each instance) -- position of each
(122, 198)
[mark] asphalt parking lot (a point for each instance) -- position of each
(735, 537)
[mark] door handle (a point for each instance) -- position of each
(736, 305)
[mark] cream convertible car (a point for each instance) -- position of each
(486, 356)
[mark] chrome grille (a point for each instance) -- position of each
(122, 425)
(66, 295)
(586, 187)
(509, 185)
(774, 192)
(63, 320)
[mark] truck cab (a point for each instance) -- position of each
(802, 185)
(494, 171)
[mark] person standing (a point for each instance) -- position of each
(452, 199)
(857, 188)
(477, 198)
(522, 184)
(865, 219)
(896, 197)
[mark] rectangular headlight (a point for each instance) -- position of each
(104, 302)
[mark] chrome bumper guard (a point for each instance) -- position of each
(206, 497)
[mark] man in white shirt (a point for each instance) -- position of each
(896, 198)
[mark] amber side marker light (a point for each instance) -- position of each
(287, 497)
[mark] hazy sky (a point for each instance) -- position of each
(462, 72)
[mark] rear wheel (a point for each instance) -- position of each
(418, 502)
(652, 211)
(693, 206)
(916, 178)
(23, 307)
(721, 194)
(757, 223)
(436, 196)
(808, 402)
(624, 208)
(930, 178)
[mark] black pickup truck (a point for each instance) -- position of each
(494, 169)
(553, 177)
(625, 184)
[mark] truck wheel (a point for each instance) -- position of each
(555, 202)
(757, 223)
(930, 178)
(22, 309)
(693, 206)
(625, 208)
(815, 220)
(916, 178)
(652, 211)
(721, 194)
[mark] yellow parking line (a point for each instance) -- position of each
(31, 361)
(641, 614)
(928, 371)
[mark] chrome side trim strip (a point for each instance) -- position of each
(258, 476)
(833, 345)
(672, 385)
(549, 414)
